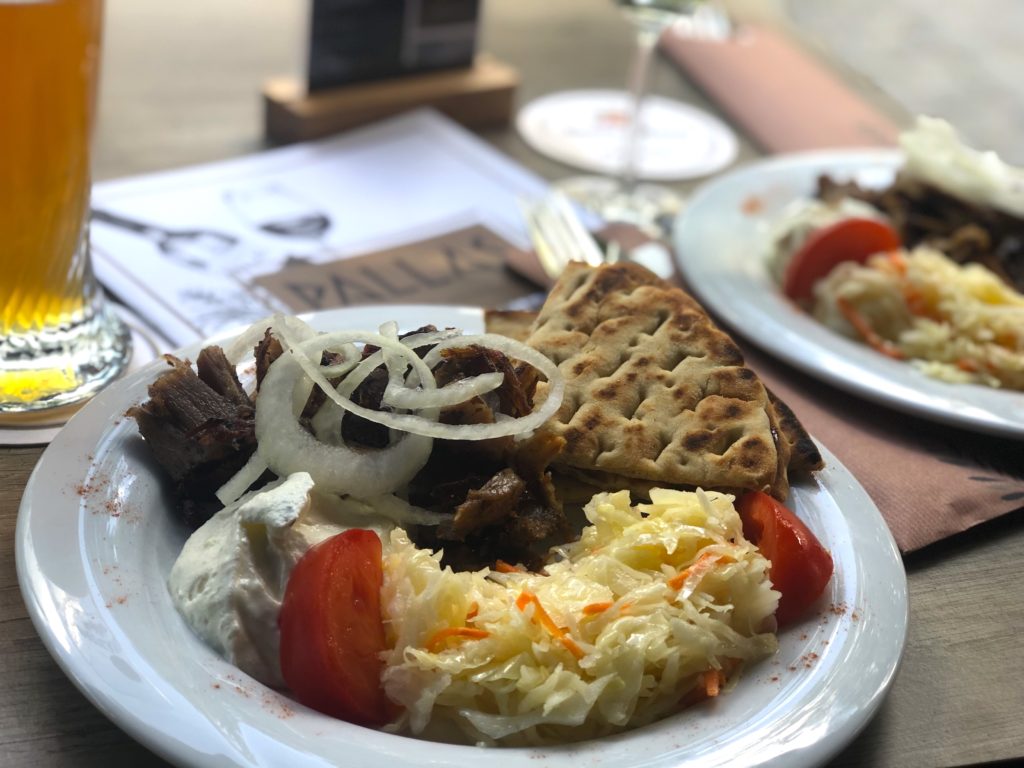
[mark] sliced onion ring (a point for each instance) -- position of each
(514, 350)
(286, 447)
(243, 344)
(240, 482)
(375, 360)
(422, 424)
(453, 393)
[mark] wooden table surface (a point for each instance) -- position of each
(181, 85)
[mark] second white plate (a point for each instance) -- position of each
(721, 243)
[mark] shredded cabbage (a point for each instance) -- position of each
(616, 635)
(958, 323)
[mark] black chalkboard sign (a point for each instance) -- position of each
(358, 40)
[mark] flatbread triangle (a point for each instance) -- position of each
(656, 394)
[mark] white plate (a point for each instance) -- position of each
(722, 245)
(96, 539)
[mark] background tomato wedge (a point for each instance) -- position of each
(847, 240)
(331, 629)
(801, 567)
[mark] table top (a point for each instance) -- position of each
(181, 86)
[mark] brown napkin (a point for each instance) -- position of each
(929, 481)
(778, 94)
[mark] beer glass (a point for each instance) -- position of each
(59, 339)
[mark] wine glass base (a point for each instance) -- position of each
(649, 207)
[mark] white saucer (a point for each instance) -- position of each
(587, 129)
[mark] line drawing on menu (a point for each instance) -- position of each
(144, 287)
(275, 209)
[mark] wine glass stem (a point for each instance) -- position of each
(646, 39)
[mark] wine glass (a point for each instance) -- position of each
(629, 123)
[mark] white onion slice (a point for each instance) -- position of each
(453, 393)
(243, 344)
(359, 373)
(338, 369)
(241, 481)
(302, 351)
(403, 513)
(326, 423)
(514, 350)
(424, 424)
(376, 359)
(417, 424)
(286, 447)
(396, 368)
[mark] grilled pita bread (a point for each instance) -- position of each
(514, 323)
(656, 395)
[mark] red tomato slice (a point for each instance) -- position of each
(800, 568)
(331, 629)
(846, 240)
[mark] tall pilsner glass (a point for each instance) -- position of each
(59, 339)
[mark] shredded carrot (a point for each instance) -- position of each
(474, 609)
(709, 684)
(915, 300)
(861, 325)
(712, 681)
(502, 567)
(898, 261)
(541, 617)
(595, 608)
(437, 641)
(966, 364)
(702, 566)
(918, 303)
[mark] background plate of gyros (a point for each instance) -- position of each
(723, 242)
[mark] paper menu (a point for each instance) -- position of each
(184, 248)
(466, 265)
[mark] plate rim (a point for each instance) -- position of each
(179, 751)
(762, 327)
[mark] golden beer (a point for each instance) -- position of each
(58, 340)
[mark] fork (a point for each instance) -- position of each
(560, 237)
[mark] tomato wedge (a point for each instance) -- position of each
(800, 568)
(846, 240)
(331, 629)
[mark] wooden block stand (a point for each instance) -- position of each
(478, 97)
